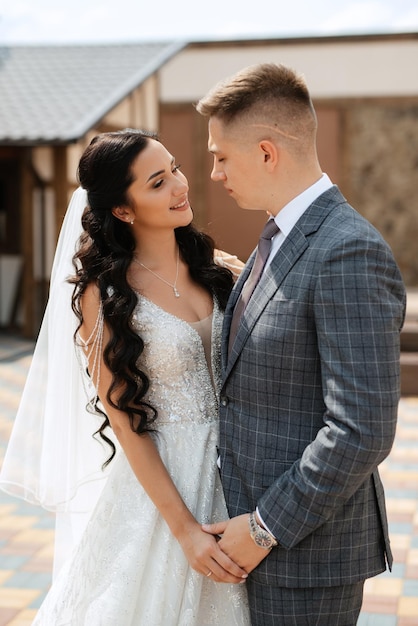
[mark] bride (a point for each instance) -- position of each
(117, 428)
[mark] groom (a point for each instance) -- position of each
(311, 364)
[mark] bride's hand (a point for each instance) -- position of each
(207, 558)
(230, 261)
(236, 541)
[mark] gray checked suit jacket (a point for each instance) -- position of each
(309, 398)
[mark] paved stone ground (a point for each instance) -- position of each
(27, 532)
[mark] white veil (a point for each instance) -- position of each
(52, 458)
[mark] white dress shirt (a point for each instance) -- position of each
(291, 212)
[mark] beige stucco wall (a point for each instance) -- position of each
(139, 109)
(334, 69)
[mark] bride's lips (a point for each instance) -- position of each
(181, 206)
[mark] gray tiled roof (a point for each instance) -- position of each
(55, 94)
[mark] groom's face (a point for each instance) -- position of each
(236, 163)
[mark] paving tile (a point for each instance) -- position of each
(5, 575)
(24, 580)
(13, 562)
(23, 618)
(13, 598)
(407, 621)
(410, 588)
(408, 607)
(379, 586)
(377, 620)
(374, 603)
(6, 615)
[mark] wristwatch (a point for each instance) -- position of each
(261, 537)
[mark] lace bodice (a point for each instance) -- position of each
(181, 387)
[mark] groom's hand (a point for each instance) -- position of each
(235, 541)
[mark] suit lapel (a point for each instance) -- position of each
(270, 282)
(292, 248)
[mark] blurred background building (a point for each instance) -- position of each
(53, 99)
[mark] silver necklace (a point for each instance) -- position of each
(172, 285)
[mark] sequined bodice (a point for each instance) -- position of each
(174, 359)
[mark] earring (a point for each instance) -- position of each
(131, 221)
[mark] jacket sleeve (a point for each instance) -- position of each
(358, 306)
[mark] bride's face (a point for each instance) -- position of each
(159, 193)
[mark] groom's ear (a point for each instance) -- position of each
(269, 153)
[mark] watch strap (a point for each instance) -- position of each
(257, 532)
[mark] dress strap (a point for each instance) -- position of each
(91, 352)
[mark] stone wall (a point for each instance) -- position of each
(381, 174)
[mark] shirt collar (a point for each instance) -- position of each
(291, 212)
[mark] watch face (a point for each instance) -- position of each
(263, 539)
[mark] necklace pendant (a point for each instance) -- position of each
(173, 286)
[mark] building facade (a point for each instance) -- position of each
(53, 100)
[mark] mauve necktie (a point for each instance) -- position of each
(263, 251)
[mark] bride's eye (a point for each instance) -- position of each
(176, 168)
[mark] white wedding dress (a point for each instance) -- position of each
(128, 569)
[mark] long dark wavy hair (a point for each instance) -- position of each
(105, 252)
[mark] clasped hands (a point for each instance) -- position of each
(233, 554)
